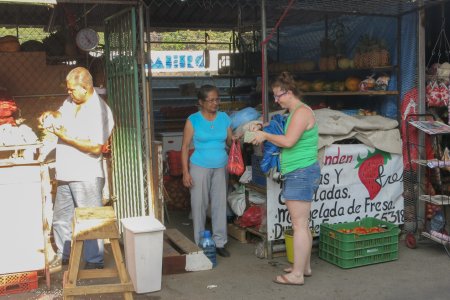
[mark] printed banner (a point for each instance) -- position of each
(357, 181)
(184, 61)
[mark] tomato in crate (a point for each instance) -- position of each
(359, 243)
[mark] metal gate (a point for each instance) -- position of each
(130, 164)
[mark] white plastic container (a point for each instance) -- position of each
(143, 240)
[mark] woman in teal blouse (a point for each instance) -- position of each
(204, 173)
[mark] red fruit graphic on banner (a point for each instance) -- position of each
(369, 170)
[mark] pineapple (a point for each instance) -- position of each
(374, 54)
(357, 57)
(365, 49)
(384, 54)
(360, 58)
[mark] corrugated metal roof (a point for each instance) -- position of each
(215, 14)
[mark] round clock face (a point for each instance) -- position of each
(87, 39)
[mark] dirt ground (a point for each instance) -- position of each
(422, 273)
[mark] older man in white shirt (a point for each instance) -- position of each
(83, 125)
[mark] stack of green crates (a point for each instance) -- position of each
(349, 250)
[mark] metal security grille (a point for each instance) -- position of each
(222, 13)
(129, 169)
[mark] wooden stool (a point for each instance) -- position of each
(89, 224)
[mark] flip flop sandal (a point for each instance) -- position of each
(289, 270)
(285, 281)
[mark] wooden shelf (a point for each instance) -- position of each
(182, 120)
(184, 98)
(164, 88)
(353, 70)
(170, 88)
(256, 188)
(271, 73)
(347, 93)
(256, 232)
(235, 76)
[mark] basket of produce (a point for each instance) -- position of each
(359, 243)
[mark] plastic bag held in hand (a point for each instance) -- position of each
(235, 162)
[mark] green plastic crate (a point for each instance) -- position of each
(357, 253)
(359, 261)
(349, 250)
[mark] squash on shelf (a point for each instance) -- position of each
(352, 83)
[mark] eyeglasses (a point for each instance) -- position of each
(74, 88)
(216, 100)
(277, 97)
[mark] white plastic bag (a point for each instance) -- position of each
(236, 199)
(256, 198)
(247, 176)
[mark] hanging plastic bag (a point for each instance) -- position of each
(235, 162)
(445, 94)
(437, 93)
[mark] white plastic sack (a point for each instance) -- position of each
(236, 200)
(256, 198)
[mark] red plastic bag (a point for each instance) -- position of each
(235, 162)
(252, 216)
(8, 120)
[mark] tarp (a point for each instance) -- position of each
(374, 131)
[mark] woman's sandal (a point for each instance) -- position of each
(285, 281)
(289, 270)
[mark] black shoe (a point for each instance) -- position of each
(90, 266)
(223, 252)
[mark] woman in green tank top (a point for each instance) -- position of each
(300, 170)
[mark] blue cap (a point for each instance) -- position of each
(206, 234)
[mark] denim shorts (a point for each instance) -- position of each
(301, 184)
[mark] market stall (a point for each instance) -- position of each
(360, 136)
(343, 195)
(357, 58)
